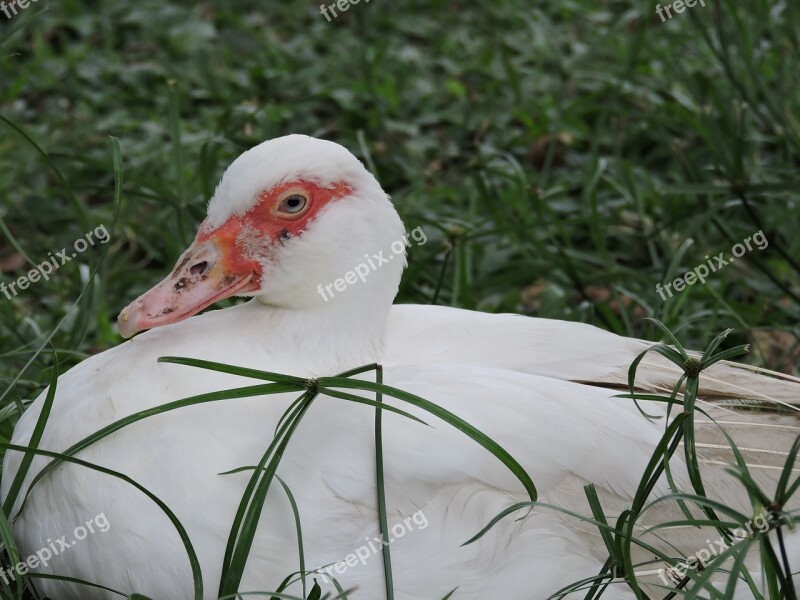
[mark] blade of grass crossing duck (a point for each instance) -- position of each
(381, 490)
(36, 437)
(246, 520)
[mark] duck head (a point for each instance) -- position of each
(296, 222)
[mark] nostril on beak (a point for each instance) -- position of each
(199, 268)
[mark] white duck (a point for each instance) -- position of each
(291, 215)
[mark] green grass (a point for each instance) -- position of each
(563, 158)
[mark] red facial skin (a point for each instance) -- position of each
(270, 223)
(215, 266)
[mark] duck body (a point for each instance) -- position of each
(436, 475)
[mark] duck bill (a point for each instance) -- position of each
(203, 275)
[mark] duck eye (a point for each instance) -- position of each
(292, 204)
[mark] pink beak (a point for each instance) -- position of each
(203, 275)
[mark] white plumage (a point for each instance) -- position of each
(512, 377)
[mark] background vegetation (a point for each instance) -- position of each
(563, 157)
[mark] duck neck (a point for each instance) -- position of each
(326, 339)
